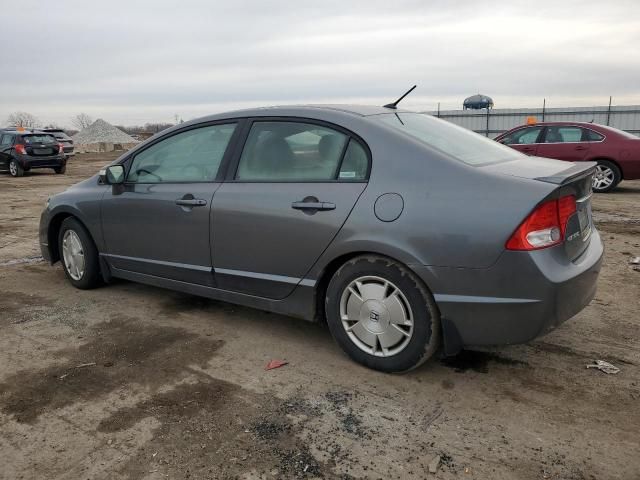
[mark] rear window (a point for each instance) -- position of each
(39, 138)
(457, 142)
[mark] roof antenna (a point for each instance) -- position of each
(394, 105)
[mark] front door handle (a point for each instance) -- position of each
(313, 205)
(581, 147)
(191, 202)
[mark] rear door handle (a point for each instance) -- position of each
(191, 202)
(581, 147)
(313, 205)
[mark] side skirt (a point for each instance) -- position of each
(300, 304)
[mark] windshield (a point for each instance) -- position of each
(40, 138)
(458, 142)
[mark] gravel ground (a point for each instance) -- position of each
(130, 381)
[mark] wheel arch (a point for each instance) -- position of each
(53, 232)
(332, 267)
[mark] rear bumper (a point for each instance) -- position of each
(523, 296)
(53, 161)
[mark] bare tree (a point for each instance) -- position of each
(23, 119)
(81, 121)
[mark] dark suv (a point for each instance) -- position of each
(21, 150)
(63, 138)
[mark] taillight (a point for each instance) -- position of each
(545, 226)
(20, 149)
(60, 148)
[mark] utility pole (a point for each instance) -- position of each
(609, 111)
(544, 106)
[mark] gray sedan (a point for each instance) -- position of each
(401, 231)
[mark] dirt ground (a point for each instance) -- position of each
(176, 386)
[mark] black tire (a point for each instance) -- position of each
(617, 176)
(15, 169)
(60, 170)
(91, 277)
(425, 339)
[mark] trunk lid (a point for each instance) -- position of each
(40, 145)
(571, 179)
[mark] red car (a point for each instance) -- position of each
(617, 152)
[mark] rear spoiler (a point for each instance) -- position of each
(575, 172)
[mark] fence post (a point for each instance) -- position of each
(609, 111)
(487, 129)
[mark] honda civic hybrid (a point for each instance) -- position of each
(407, 235)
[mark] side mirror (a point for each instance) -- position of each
(113, 175)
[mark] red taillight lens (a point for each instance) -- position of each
(60, 148)
(566, 208)
(20, 149)
(545, 226)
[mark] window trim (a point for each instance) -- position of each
(232, 168)
(127, 162)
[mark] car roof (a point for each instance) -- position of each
(25, 131)
(301, 111)
(578, 124)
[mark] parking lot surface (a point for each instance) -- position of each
(130, 381)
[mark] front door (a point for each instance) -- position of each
(564, 143)
(294, 187)
(158, 222)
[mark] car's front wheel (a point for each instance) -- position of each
(15, 169)
(607, 176)
(381, 314)
(60, 170)
(79, 255)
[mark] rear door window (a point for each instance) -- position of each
(301, 152)
(556, 134)
(591, 136)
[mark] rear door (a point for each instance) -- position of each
(564, 142)
(158, 222)
(287, 195)
(524, 140)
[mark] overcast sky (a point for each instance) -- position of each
(132, 62)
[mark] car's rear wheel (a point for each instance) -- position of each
(15, 169)
(607, 176)
(381, 314)
(78, 254)
(60, 170)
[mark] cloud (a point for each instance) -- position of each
(134, 62)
